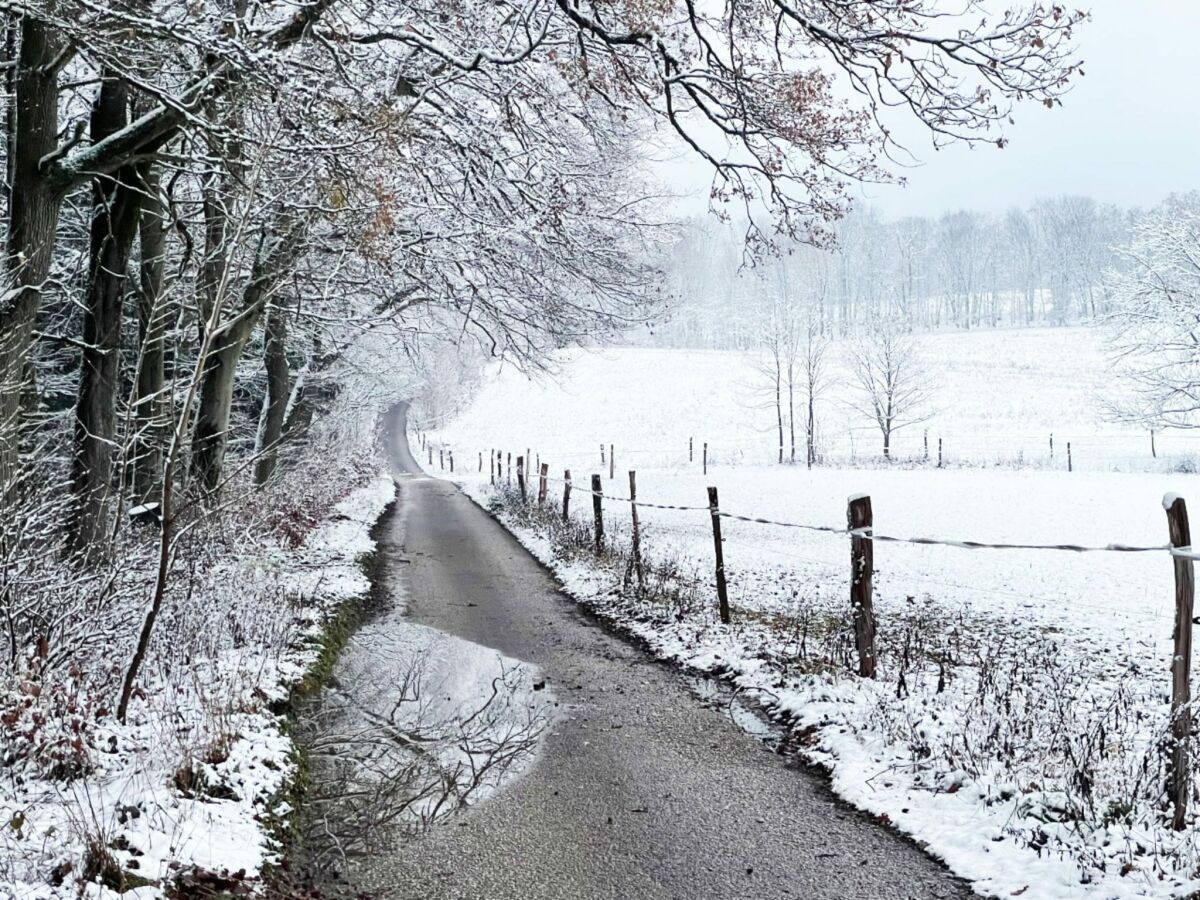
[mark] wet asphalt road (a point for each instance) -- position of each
(641, 790)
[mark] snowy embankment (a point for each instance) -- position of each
(1018, 722)
(191, 790)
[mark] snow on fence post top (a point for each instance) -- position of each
(1169, 499)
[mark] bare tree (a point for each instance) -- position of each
(813, 346)
(772, 342)
(893, 382)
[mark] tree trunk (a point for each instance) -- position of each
(779, 410)
(33, 220)
(151, 410)
(812, 426)
(792, 410)
(278, 391)
(228, 341)
(115, 215)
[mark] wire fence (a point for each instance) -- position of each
(862, 536)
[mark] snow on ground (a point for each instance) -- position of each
(197, 776)
(1018, 722)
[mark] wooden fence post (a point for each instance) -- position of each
(714, 509)
(451, 452)
(706, 457)
(510, 468)
(1052, 446)
(603, 463)
(481, 462)
(566, 495)
(691, 456)
(637, 533)
(1070, 464)
(442, 458)
(926, 445)
(521, 476)
(430, 448)
(862, 571)
(598, 509)
(1153, 452)
(543, 476)
(1181, 661)
(492, 466)
(612, 463)
(939, 453)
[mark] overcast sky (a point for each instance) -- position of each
(1128, 133)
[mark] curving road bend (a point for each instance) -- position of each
(641, 790)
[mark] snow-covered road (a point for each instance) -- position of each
(641, 789)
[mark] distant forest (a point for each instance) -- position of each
(1046, 265)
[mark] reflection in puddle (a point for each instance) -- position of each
(414, 725)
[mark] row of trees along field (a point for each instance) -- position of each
(207, 205)
(1048, 264)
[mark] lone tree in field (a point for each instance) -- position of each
(892, 380)
(1155, 323)
(808, 369)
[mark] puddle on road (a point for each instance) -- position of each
(414, 725)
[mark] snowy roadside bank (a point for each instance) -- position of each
(1024, 755)
(192, 793)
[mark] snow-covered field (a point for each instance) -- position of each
(1018, 721)
(997, 397)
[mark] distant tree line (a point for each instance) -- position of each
(1049, 264)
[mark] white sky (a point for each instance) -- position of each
(1128, 133)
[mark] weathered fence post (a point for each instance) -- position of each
(637, 533)
(543, 477)
(430, 448)
(510, 468)
(612, 462)
(451, 453)
(492, 467)
(1070, 465)
(691, 456)
(926, 445)
(1153, 452)
(566, 495)
(521, 475)
(706, 457)
(1181, 661)
(862, 571)
(442, 458)
(603, 463)
(939, 453)
(598, 509)
(714, 509)
(481, 462)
